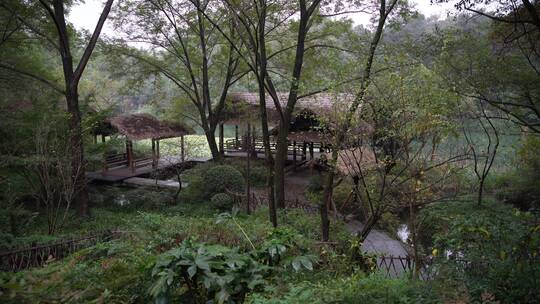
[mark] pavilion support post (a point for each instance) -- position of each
(304, 146)
(294, 155)
(157, 149)
(182, 150)
(129, 152)
(221, 137)
(236, 136)
(154, 159)
(102, 138)
(253, 139)
(311, 153)
(95, 139)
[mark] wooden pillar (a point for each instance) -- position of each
(294, 154)
(157, 149)
(129, 152)
(304, 146)
(236, 136)
(221, 148)
(182, 150)
(95, 139)
(154, 159)
(253, 137)
(102, 138)
(311, 153)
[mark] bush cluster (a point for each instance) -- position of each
(205, 181)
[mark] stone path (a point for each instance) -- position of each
(379, 242)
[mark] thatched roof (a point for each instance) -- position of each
(242, 106)
(145, 126)
(352, 161)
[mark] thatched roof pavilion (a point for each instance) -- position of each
(242, 105)
(314, 115)
(139, 127)
(146, 126)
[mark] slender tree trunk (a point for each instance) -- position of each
(80, 199)
(414, 239)
(282, 143)
(212, 144)
(364, 84)
(480, 191)
(323, 206)
(325, 222)
(366, 229)
(261, 62)
(279, 165)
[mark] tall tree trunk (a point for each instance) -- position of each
(212, 144)
(282, 143)
(261, 63)
(80, 198)
(480, 191)
(279, 165)
(323, 207)
(364, 84)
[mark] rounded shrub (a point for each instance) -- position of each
(258, 175)
(222, 201)
(223, 178)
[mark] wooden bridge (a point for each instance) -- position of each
(118, 170)
(296, 151)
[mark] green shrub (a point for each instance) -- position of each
(15, 219)
(258, 175)
(222, 201)
(344, 203)
(113, 272)
(315, 184)
(208, 179)
(521, 186)
(379, 289)
(500, 245)
(350, 290)
(223, 178)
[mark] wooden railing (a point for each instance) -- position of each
(114, 161)
(120, 160)
(234, 145)
(35, 255)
